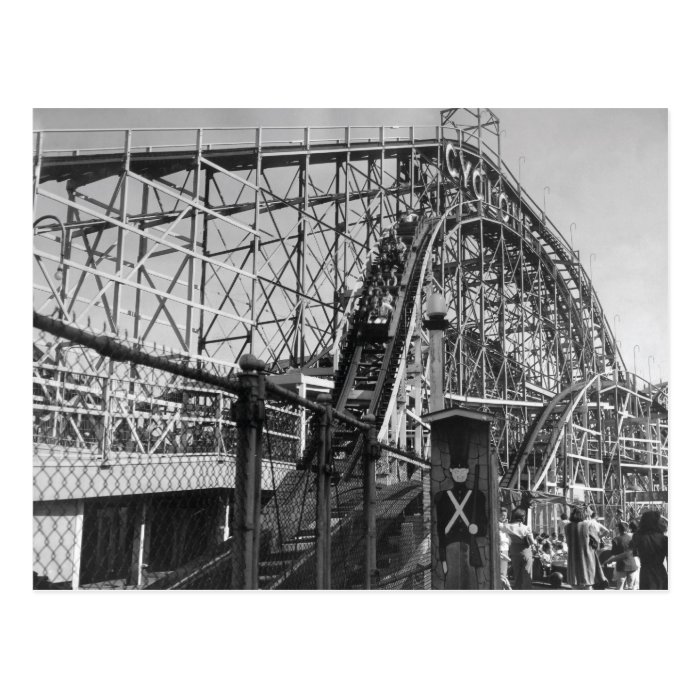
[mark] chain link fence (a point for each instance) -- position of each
(403, 521)
(133, 469)
(289, 531)
(160, 472)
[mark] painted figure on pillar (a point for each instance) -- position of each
(461, 518)
(464, 523)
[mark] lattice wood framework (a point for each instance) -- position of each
(217, 242)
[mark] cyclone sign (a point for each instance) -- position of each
(483, 186)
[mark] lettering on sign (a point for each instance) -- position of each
(482, 183)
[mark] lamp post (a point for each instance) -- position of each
(572, 228)
(500, 133)
(64, 243)
(520, 192)
(436, 324)
(591, 258)
(618, 349)
(634, 352)
(618, 344)
(544, 206)
(650, 359)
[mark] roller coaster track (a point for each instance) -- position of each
(358, 350)
(88, 168)
(565, 402)
(373, 392)
(260, 246)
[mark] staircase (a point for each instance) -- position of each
(291, 564)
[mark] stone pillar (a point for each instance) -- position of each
(464, 501)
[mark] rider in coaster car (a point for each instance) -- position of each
(387, 307)
(374, 308)
(400, 248)
(387, 248)
(392, 281)
(362, 309)
(383, 241)
(384, 259)
(398, 253)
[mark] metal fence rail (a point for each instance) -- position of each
(160, 472)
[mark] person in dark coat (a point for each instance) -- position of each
(650, 544)
(461, 517)
(623, 558)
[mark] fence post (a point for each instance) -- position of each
(370, 454)
(323, 499)
(250, 413)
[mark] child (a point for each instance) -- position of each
(546, 558)
(504, 546)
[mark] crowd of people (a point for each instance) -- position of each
(636, 552)
(377, 305)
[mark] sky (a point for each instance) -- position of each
(606, 170)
